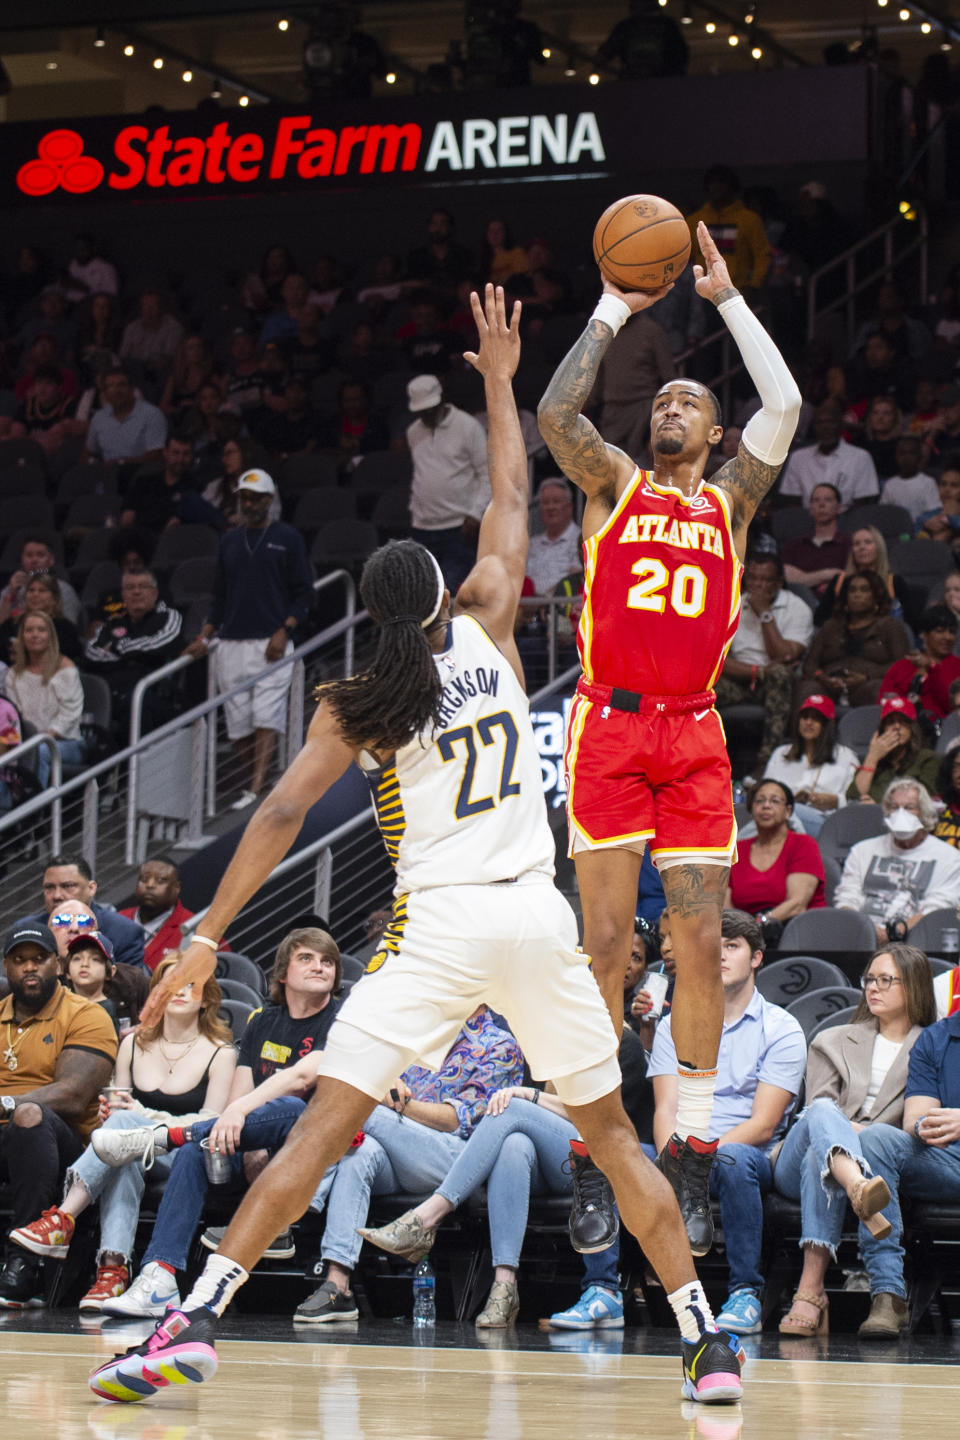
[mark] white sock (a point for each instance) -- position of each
(693, 1313)
(694, 1102)
(216, 1287)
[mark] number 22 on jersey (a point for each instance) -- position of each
(463, 742)
(688, 588)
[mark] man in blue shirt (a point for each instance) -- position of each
(760, 1068)
(922, 1160)
(262, 590)
(69, 877)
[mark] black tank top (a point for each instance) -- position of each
(186, 1103)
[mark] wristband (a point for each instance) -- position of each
(536, 1096)
(203, 940)
(867, 769)
(612, 311)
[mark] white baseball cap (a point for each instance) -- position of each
(256, 482)
(423, 392)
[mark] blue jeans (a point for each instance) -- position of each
(186, 1189)
(118, 1191)
(397, 1155)
(522, 1152)
(802, 1171)
(740, 1188)
(926, 1173)
(72, 752)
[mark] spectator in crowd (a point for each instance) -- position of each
(192, 368)
(876, 369)
(45, 687)
(908, 485)
(897, 878)
(130, 550)
(88, 968)
(817, 768)
(261, 289)
(848, 468)
(441, 262)
(158, 911)
(951, 598)
(238, 456)
(88, 273)
(42, 593)
(262, 590)
(645, 44)
(738, 232)
(248, 386)
(554, 551)
(357, 428)
(45, 350)
(896, 749)
(23, 285)
(309, 352)
(159, 497)
(924, 408)
(630, 375)
(282, 323)
(942, 436)
(51, 1072)
(907, 337)
(172, 1073)
(450, 488)
(71, 920)
(52, 319)
(943, 521)
(277, 1057)
(920, 1160)
(774, 631)
(410, 1142)
(816, 231)
(69, 877)
(98, 333)
(948, 788)
(816, 560)
(760, 1070)
(429, 345)
(868, 553)
(882, 429)
(925, 676)
(294, 429)
(146, 636)
(47, 413)
(126, 985)
(126, 428)
(856, 1078)
(854, 649)
(151, 341)
(499, 256)
(210, 424)
(779, 873)
(36, 558)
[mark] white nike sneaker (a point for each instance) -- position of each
(150, 1294)
(120, 1147)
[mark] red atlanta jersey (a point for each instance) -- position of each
(662, 591)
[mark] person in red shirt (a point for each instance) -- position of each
(780, 873)
(158, 909)
(928, 673)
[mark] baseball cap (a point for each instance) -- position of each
(256, 482)
(821, 703)
(93, 937)
(896, 705)
(423, 392)
(30, 932)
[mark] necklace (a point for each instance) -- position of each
(171, 1064)
(252, 550)
(10, 1054)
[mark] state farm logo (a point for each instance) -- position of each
(61, 165)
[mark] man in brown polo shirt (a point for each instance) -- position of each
(56, 1054)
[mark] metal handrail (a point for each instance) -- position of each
(848, 259)
(53, 790)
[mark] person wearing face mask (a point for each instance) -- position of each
(896, 751)
(898, 877)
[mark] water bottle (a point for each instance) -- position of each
(424, 1294)
(739, 794)
(949, 942)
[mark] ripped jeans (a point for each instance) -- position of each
(802, 1173)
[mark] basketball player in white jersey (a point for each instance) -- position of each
(440, 722)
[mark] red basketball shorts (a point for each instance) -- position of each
(659, 774)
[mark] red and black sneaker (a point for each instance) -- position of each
(711, 1368)
(687, 1165)
(594, 1223)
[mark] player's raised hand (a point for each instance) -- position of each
(194, 968)
(499, 352)
(637, 300)
(712, 278)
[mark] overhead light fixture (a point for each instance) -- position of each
(594, 79)
(686, 18)
(757, 53)
(158, 63)
(570, 72)
(128, 51)
(99, 40)
(283, 24)
(51, 64)
(882, 4)
(750, 16)
(390, 77)
(546, 52)
(215, 91)
(904, 13)
(926, 27)
(945, 45)
(663, 4)
(244, 101)
(710, 27)
(187, 76)
(733, 39)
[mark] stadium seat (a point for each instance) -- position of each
(893, 521)
(939, 967)
(192, 580)
(856, 728)
(105, 575)
(16, 511)
(843, 828)
(383, 470)
(927, 934)
(240, 967)
(921, 559)
(24, 453)
(89, 512)
(323, 505)
(342, 543)
(828, 931)
(301, 473)
(235, 1014)
(236, 990)
(350, 967)
(814, 1007)
(184, 542)
(787, 980)
(21, 480)
(792, 524)
(949, 732)
(836, 1017)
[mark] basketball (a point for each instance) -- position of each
(641, 242)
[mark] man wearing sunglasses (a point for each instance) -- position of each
(69, 877)
(127, 986)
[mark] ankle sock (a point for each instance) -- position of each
(216, 1287)
(170, 1269)
(694, 1101)
(692, 1310)
(175, 1136)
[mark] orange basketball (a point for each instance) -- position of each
(641, 242)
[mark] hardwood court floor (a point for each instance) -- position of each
(376, 1383)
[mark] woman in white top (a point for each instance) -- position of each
(856, 1076)
(45, 687)
(816, 768)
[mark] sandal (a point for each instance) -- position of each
(867, 1198)
(793, 1324)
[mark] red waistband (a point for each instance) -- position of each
(632, 702)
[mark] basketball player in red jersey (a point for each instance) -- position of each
(646, 756)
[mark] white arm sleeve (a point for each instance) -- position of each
(768, 433)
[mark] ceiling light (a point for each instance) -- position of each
(244, 100)
(945, 45)
(99, 39)
(215, 91)
(686, 18)
(757, 53)
(904, 13)
(283, 24)
(51, 64)
(594, 79)
(750, 16)
(546, 52)
(882, 4)
(158, 63)
(926, 27)
(128, 51)
(187, 76)
(390, 78)
(710, 27)
(569, 72)
(733, 38)
(663, 4)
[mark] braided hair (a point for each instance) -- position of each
(400, 691)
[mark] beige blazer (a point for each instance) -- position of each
(838, 1068)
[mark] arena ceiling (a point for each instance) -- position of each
(252, 51)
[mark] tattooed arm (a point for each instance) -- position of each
(574, 442)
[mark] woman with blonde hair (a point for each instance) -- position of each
(45, 687)
(868, 551)
(172, 1073)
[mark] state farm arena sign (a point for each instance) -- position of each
(167, 156)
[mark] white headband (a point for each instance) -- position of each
(441, 586)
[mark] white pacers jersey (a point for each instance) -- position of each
(463, 804)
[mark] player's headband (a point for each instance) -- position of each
(441, 586)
